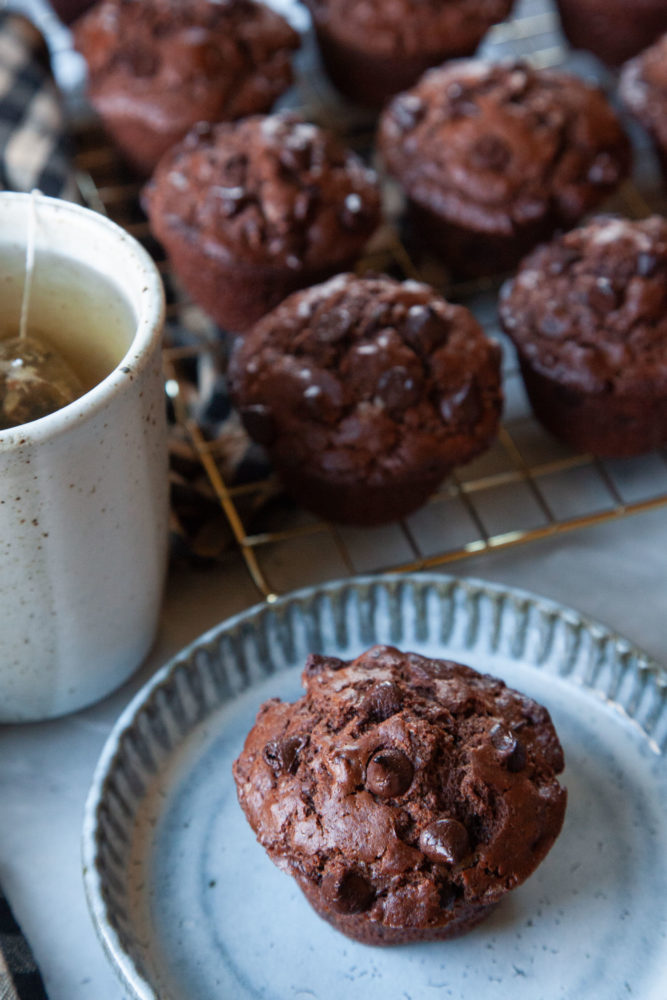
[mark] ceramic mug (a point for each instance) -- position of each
(83, 490)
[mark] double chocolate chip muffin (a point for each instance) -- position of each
(156, 67)
(252, 210)
(643, 90)
(373, 49)
(366, 392)
(405, 795)
(495, 158)
(588, 316)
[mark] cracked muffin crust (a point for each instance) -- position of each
(495, 157)
(372, 49)
(406, 795)
(252, 210)
(366, 392)
(614, 30)
(156, 67)
(588, 316)
(643, 90)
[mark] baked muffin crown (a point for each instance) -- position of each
(360, 376)
(407, 27)
(226, 59)
(273, 190)
(590, 308)
(501, 146)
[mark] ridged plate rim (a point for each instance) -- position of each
(629, 660)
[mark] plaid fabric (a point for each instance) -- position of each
(33, 132)
(19, 976)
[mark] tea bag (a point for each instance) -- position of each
(34, 380)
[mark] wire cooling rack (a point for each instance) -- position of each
(526, 487)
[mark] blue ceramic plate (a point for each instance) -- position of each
(188, 906)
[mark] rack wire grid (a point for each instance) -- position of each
(526, 487)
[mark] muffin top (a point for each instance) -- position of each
(360, 377)
(267, 190)
(408, 27)
(180, 62)
(643, 89)
(403, 787)
(590, 308)
(500, 146)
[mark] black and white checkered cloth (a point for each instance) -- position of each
(19, 976)
(33, 130)
(33, 154)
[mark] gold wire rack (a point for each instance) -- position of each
(526, 487)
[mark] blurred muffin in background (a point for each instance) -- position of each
(156, 67)
(373, 49)
(495, 157)
(614, 30)
(252, 210)
(643, 90)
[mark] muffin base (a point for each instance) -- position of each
(370, 80)
(603, 423)
(363, 504)
(235, 295)
(614, 30)
(474, 253)
(359, 927)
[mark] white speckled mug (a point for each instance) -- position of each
(83, 490)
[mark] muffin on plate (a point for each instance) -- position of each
(495, 157)
(366, 392)
(372, 50)
(252, 210)
(643, 90)
(614, 30)
(405, 795)
(156, 67)
(588, 316)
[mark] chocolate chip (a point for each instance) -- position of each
(141, 61)
(382, 701)
(235, 169)
(348, 894)
(317, 664)
(389, 773)
(259, 423)
(282, 756)
(600, 296)
(509, 749)
(463, 406)
(490, 152)
(398, 388)
(408, 110)
(352, 214)
(648, 264)
(296, 158)
(233, 199)
(333, 326)
(444, 841)
(424, 329)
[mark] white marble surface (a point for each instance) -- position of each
(616, 573)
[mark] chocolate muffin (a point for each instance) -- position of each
(156, 67)
(405, 795)
(372, 50)
(614, 30)
(252, 210)
(366, 392)
(495, 158)
(588, 316)
(643, 90)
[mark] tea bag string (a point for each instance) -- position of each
(29, 262)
